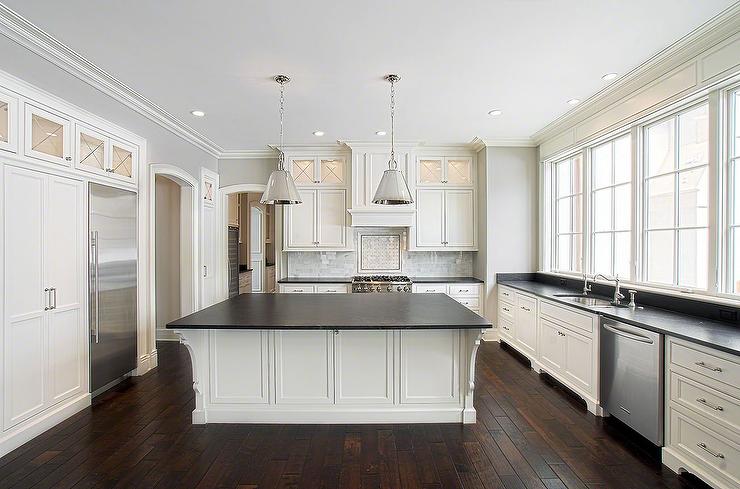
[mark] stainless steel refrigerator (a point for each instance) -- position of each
(112, 285)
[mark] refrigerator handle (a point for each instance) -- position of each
(96, 281)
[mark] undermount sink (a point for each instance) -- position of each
(569, 295)
(591, 301)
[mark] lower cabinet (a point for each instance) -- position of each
(526, 323)
(324, 288)
(245, 354)
(467, 294)
(363, 367)
(304, 367)
(429, 366)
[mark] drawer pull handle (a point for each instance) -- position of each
(709, 404)
(711, 452)
(526, 309)
(506, 309)
(709, 367)
(464, 290)
(507, 329)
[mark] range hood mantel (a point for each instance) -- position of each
(382, 217)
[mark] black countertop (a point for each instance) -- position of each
(315, 280)
(334, 311)
(716, 334)
(446, 280)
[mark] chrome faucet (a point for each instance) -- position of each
(586, 287)
(618, 296)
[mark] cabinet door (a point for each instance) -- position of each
(91, 150)
(124, 159)
(24, 339)
(208, 259)
(526, 323)
(239, 367)
(579, 365)
(429, 366)
(303, 170)
(430, 207)
(552, 345)
(301, 232)
(331, 171)
(331, 218)
(459, 218)
(430, 170)
(47, 136)
(304, 367)
(459, 171)
(364, 367)
(64, 243)
(8, 122)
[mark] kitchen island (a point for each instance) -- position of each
(333, 358)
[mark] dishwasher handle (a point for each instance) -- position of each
(627, 334)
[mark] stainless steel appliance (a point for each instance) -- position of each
(112, 287)
(632, 377)
(381, 283)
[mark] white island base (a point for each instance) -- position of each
(334, 376)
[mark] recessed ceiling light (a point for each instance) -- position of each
(197, 113)
(318, 133)
(609, 76)
(380, 133)
(574, 101)
(495, 112)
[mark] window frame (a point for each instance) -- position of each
(553, 200)
(729, 167)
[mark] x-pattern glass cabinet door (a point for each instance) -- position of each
(91, 153)
(459, 170)
(8, 122)
(47, 136)
(331, 171)
(321, 171)
(303, 170)
(431, 170)
(123, 160)
(448, 171)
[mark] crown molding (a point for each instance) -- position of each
(22, 31)
(705, 36)
(476, 144)
(248, 154)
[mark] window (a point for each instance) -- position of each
(676, 200)
(611, 207)
(733, 194)
(567, 191)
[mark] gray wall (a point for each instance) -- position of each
(508, 210)
(167, 253)
(162, 145)
(253, 170)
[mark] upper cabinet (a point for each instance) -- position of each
(8, 122)
(47, 136)
(99, 153)
(448, 171)
(318, 171)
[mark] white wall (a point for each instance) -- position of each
(167, 253)
(162, 145)
(508, 208)
(253, 170)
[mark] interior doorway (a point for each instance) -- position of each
(175, 291)
(250, 244)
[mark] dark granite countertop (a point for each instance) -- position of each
(315, 280)
(716, 334)
(334, 311)
(446, 280)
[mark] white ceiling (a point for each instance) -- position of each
(457, 60)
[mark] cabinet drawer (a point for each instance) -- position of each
(711, 403)
(506, 328)
(506, 310)
(430, 288)
(332, 289)
(568, 316)
(469, 302)
(465, 289)
(704, 363)
(506, 295)
(717, 453)
(297, 289)
(527, 304)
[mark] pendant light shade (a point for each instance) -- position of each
(393, 189)
(281, 189)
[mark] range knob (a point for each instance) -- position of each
(407, 289)
(377, 288)
(389, 288)
(399, 288)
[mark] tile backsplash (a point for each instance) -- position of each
(345, 263)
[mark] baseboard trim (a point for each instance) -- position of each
(146, 362)
(31, 428)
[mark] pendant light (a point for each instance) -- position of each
(393, 189)
(281, 188)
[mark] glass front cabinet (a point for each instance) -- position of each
(8, 122)
(449, 171)
(47, 136)
(318, 171)
(99, 153)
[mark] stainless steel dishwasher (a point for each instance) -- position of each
(632, 377)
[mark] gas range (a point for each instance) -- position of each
(380, 283)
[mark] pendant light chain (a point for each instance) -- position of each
(281, 155)
(393, 163)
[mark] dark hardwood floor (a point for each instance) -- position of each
(530, 434)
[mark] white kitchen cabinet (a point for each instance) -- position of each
(322, 288)
(319, 222)
(96, 152)
(245, 354)
(8, 122)
(580, 368)
(45, 342)
(364, 367)
(332, 288)
(449, 171)
(318, 171)
(47, 135)
(526, 323)
(552, 345)
(467, 294)
(123, 160)
(429, 366)
(702, 412)
(445, 219)
(304, 367)
(209, 234)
